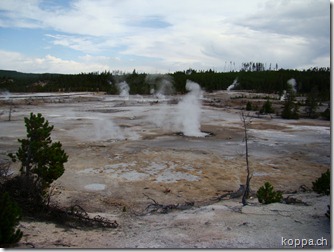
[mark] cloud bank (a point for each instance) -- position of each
(163, 36)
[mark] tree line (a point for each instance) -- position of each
(253, 76)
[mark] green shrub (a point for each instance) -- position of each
(266, 194)
(10, 215)
(290, 111)
(249, 106)
(267, 108)
(322, 184)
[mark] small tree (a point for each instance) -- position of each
(312, 103)
(267, 108)
(10, 110)
(42, 161)
(10, 215)
(249, 106)
(266, 194)
(291, 108)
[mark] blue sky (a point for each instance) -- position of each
(156, 36)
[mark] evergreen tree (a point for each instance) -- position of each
(291, 108)
(249, 106)
(10, 215)
(312, 103)
(42, 161)
(267, 108)
(266, 194)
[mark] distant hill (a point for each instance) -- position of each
(19, 75)
(14, 81)
(15, 74)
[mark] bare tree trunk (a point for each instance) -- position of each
(10, 111)
(246, 122)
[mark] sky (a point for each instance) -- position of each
(159, 36)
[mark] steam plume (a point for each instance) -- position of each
(293, 84)
(233, 85)
(6, 94)
(123, 89)
(161, 85)
(292, 87)
(189, 111)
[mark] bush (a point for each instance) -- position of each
(266, 194)
(10, 215)
(249, 106)
(267, 108)
(25, 193)
(290, 111)
(326, 114)
(291, 107)
(322, 184)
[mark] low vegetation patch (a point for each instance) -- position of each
(322, 184)
(10, 215)
(266, 194)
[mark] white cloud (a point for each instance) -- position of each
(87, 63)
(23, 14)
(79, 43)
(180, 34)
(49, 63)
(323, 61)
(241, 45)
(297, 17)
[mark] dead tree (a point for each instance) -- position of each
(10, 110)
(246, 121)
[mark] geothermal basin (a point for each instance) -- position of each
(127, 147)
(124, 152)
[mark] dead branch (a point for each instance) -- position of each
(78, 212)
(232, 195)
(304, 188)
(79, 216)
(156, 207)
(4, 170)
(291, 200)
(29, 244)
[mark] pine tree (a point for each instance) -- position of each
(312, 103)
(267, 108)
(249, 106)
(42, 161)
(10, 215)
(266, 194)
(291, 108)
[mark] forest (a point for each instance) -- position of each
(252, 77)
